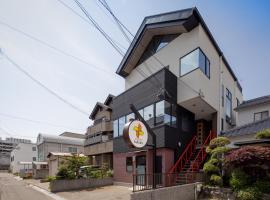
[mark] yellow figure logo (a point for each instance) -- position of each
(138, 130)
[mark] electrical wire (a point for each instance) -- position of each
(35, 121)
(96, 25)
(52, 47)
(18, 67)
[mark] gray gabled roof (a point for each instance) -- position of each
(105, 105)
(253, 102)
(174, 22)
(59, 139)
(247, 129)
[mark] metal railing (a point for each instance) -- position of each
(143, 182)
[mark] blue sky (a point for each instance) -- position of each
(241, 28)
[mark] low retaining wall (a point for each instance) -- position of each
(183, 192)
(76, 184)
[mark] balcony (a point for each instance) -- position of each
(103, 126)
(99, 148)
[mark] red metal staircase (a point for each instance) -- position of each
(190, 161)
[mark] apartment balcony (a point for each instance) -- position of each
(99, 148)
(103, 126)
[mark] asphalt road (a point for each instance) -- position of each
(11, 189)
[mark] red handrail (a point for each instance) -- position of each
(199, 159)
(185, 156)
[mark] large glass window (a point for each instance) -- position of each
(193, 60)
(130, 117)
(228, 104)
(165, 113)
(115, 128)
(122, 122)
(148, 114)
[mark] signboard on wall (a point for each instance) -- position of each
(135, 134)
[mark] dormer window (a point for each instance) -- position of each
(157, 43)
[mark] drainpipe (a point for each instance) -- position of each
(220, 90)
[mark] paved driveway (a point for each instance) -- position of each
(11, 189)
(113, 192)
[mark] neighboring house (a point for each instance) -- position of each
(53, 143)
(253, 116)
(22, 153)
(6, 146)
(55, 159)
(181, 83)
(40, 170)
(253, 110)
(98, 142)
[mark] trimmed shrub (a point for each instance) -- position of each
(239, 179)
(210, 168)
(264, 134)
(216, 179)
(250, 193)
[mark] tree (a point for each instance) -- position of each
(255, 160)
(213, 167)
(71, 167)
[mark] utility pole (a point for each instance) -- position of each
(153, 145)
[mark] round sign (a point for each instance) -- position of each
(135, 134)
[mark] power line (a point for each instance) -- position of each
(52, 46)
(118, 22)
(105, 35)
(87, 21)
(42, 85)
(35, 121)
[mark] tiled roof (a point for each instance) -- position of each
(254, 102)
(247, 129)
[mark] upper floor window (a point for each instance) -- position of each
(228, 104)
(34, 149)
(122, 122)
(72, 149)
(157, 43)
(261, 115)
(193, 60)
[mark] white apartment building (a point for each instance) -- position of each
(22, 153)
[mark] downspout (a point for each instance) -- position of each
(220, 95)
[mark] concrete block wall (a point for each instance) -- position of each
(183, 192)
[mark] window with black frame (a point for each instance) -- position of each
(194, 60)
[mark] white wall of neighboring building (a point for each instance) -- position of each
(190, 84)
(24, 152)
(246, 115)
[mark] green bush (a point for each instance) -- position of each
(239, 179)
(50, 178)
(263, 186)
(65, 173)
(210, 168)
(216, 179)
(249, 193)
(264, 134)
(109, 173)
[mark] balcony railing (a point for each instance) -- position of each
(103, 126)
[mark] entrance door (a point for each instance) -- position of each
(140, 170)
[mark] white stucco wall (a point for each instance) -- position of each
(246, 115)
(190, 84)
(22, 153)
